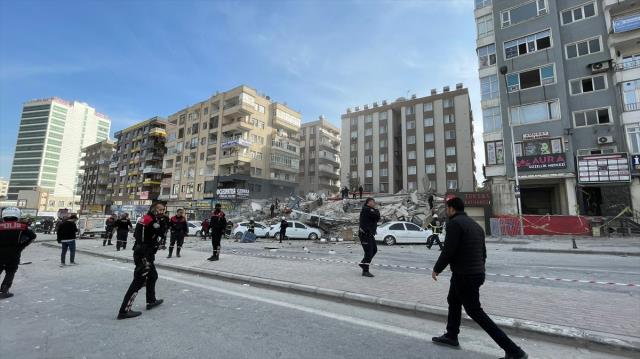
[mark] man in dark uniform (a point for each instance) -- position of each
(14, 237)
(109, 224)
(465, 253)
(217, 225)
(283, 229)
(179, 229)
(147, 235)
(369, 218)
(123, 226)
(164, 221)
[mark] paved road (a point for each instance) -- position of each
(70, 313)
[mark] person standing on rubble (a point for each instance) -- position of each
(369, 218)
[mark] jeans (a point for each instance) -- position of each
(71, 245)
(464, 291)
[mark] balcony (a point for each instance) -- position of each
(237, 126)
(152, 169)
(283, 167)
(280, 122)
(284, 148)
(151, 182)
(241, 108)
(283, 178)
(233, 143)
(229, 160)
(335, 139)
(157, 131)
(329, 157)
(628, 107)
(328, 171)
(330, 145)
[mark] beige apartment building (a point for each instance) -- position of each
(96, 184)
(319, 158)
(423, 144)
(239, 141)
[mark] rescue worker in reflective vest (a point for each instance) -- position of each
(147, 236)
(14, 237)
(179, 229)
(436, 228)
(217, 226)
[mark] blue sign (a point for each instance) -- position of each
(626, 23)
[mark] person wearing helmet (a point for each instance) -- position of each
(14, 237)
(217, 226)
(436, 227)
(283, 228)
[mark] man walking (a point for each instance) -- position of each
(67, 237)
(179, 229)
(465, 253)
(109, 224)
(123, 226)
(217, 225)
(369, 218)
(14, 237)
(147, 235)
(283, 229)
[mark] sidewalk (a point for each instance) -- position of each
(624, 246)
(585, 315)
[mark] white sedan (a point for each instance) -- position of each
(260, 230)
(391, 233)
(295, 230)
(194, 228)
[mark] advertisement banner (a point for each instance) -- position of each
(607, 168)
(542, 162)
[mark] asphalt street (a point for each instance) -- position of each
(70, 313)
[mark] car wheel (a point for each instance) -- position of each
(276, 235)
(238, 235)
(389, 240)
(313, 236)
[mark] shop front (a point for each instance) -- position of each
(604, 184)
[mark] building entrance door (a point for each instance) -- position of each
(538, 200)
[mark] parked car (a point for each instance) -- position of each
(391, 233)
(295, 230)
(261, 230)
(194, 228)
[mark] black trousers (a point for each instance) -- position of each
(121, 239)
(216, 237)
(370, 248)
(144, 274)
(10, 267)
(464, 291)
(176, 238)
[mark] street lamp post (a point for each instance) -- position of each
(503, 71)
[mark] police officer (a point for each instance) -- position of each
(14, 237)
(217, 225)
(283, 229)
(179, 229)
(369, 218)
(147, 236)
(123, 226)
(165, 224)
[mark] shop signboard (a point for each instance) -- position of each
(542, 162)
(535, 135)
(607, 168)
(232, 193)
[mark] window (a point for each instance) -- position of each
(583, 48)
(449, 118)
(452, 184)
(593, 117)
(368, 159)
(397, 227)
(450, 151)
(633, 133)
(354, 147)
(451, 167)
(428, 106)
(631, 95)
(300, 225)
(531, 78)
(411, 170)
(447, 103)
(411, 125)
(354, 174)
(428, 137)
(629, 62)
(411, 140)
(494, 152)
(411, 155)
(429, 153)
(482, 3)
(535, 112)
(428, 121)
(485, 25)
(588, 84)
(383, 130)
(384, 172)
(354, 121)
(367, 145)
(492, 119)
(383, 157)
(368, 118)
(369, 173)
(489, 87)
(411, 185)
(354, 134)
(354, 160)
(524, 12)
(579, 13)
(430, 169)
(368, 132)
(410, 110)
(527, 44)
(383, 143)
(486, 58)
(382, 115)
(450, 135)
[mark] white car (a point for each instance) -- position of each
(295, 230)
(260, 230)
(391, 233)
(194, 228)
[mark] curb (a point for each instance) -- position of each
(576, 251)
(550, 332)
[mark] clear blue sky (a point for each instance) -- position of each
(135, 59)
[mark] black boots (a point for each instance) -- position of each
(4, 292)
(171, 252)
(129, 314)
(446, 340)
(154, 304)
(178, 252)
(215, 256)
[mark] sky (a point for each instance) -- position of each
(132, 60)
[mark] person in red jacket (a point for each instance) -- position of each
(14, 237)
(179, 229)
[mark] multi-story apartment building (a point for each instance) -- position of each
(4, 188)
(319, 158)
(96, 186)
(236, 139)
(418, 144)
(136, 166)
(50, 140)
(546, 79)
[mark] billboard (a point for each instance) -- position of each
(608, 168)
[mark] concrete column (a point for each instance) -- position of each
(572, 201)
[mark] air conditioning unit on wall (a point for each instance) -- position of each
(603, 140)
(599, 67)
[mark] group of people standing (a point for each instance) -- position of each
(345, 192)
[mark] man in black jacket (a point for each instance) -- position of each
(369, 218)
(123, 226)
(283, 229)
(465, 253)
(66, 236)
(179, 229)
(217, 226)
(14, 237)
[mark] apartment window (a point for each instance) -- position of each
(451, 167)
(428, 137)
(524, 12)
(489, 87)
(411, 125)
(631, 95)
(354, 134)
(354, 174)
(494, 152)
(411, 155)
(384, 172)
(411, 140)
(629, 62)
(588, 84)
(367, 145)
(383, 143)
(411, 185)
(535, 112)
(354, 160)
(383, 187)
(599, 116)
(383, 157)
(583, 48)
(450, 151)
(527, 44)
(492, 119)
(411, 170)
(368, 173)
(368, 159)
(429, 153)
(581, 12)
(368, 132)
(450, 135)
(427, 106)
(531, 78)
(430, 169)
(486, 57)
(368, 118)
(354, 147)
(382, 115)
(383, 130)
(449, 118)
(180, 133)
(452, 184)
(409, 110)
(354, 121)
(201, 156)
(485, 25)
(428, 121)
(482, 3)
(633, 133)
